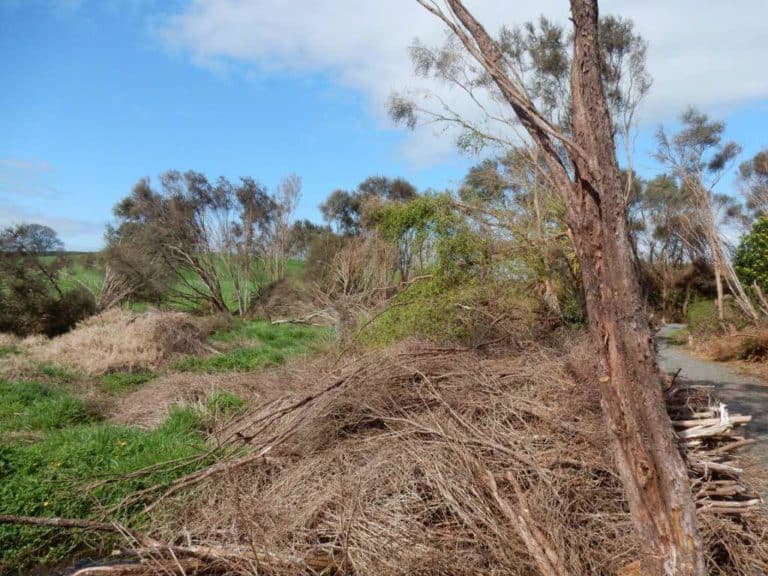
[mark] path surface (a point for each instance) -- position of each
(742, 394)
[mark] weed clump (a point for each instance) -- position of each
(34, 407)
(118, 382)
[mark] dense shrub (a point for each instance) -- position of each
(751, 346)
(751, 259)
(469, 314)
(755, 346)
(28, 307)
(703, 320)
(63, 313)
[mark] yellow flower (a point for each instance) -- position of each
(45, 503)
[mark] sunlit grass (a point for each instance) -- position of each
(47, 477)
(123, 382)
(251, 345)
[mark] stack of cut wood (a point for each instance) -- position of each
(709, 436)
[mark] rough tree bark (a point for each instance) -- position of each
(654, 475)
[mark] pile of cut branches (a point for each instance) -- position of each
(709, 436)
(431, 460)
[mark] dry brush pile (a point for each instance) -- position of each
(119, 340)
(423, 460)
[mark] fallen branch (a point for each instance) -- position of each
(537, 543)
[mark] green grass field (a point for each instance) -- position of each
(251, 345)
(52, 444)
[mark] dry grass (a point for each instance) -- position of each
(8, 340)
(118, 340)
(746, 350)
(750, 345)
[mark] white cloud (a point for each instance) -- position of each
(76, 234)
(25, 165)
(27, 177)
(702, 52)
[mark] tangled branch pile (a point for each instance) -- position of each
(121, 340)
(426, 461)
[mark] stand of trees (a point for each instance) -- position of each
(196, 240)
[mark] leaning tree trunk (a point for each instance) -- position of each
(719, 288)
(647, 456)
(653, 472)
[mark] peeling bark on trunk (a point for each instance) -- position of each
(647, 456)
(654, 474)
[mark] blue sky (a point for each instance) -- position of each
(99, 93)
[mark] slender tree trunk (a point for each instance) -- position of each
(550, 293)
(719, 287)
(687, 300)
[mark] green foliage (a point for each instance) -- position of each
(458, 252)
(461, 254)
(122, 382)
(30, 407)
(29, 304)
(394, 220)
(751, 259)
(222, 404)
(702, 317)
(32, 298)
(678, 337)
(46, 478)
(465, 313)
(346, 209)
(64, 312)
(255, 345)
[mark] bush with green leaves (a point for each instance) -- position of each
(703, 318)
(471, 313)
(751, 259)
(430, 233)
(29, 306)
